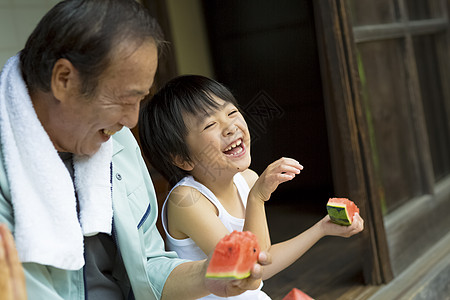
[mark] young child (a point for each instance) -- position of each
(193, 133)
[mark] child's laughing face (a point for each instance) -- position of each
(219, 141)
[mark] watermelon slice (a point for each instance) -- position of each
(234, 256)
(296, 294)
(341, 210)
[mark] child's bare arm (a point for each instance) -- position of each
(287, 252)
(276, 173)
(191, 214)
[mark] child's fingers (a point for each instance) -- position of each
(289, 169)
(359, 222)
(276, 173)
(285, 177)
(287, 161)
(284, 165)
(356, 227)
(292, 163)
(285, 169)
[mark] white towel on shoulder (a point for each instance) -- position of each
(47, 229)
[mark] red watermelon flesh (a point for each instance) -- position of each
(296, 294)
(341, 210)
(234, 256)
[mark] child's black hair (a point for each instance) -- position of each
(162, 130)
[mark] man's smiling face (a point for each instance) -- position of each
(84, 124)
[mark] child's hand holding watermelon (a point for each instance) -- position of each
(330, 228)
(343, 218)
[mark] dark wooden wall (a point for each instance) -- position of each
(266, 53)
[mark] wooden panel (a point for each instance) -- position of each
(389, 72)
(414, 229)
(432, 91)
(417, 112)
(368, 12)
(426, 278)
(420, 9)
(398, 30)
(385, 101)
(339, 71)
(167, 67)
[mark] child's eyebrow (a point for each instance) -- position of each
(203, 116)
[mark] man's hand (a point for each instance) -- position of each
(227, 288)
(12, 278)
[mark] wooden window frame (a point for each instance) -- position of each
(351, 172)
(386, 238)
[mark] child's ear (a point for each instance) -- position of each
(182, 164)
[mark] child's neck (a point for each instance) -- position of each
(226, 192)
(221, 186)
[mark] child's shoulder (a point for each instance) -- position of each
(186, 204)
(250, 176)
(184, 196)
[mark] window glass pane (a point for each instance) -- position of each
(433, 103)
(423, 9)
(385, 102)
(369, 12)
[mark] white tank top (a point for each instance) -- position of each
(187, 249)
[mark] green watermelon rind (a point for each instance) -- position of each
(228, 275)
(339, 214)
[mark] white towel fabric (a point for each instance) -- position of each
(47, 229)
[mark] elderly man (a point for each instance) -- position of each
(73, 186)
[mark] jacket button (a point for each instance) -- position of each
(118, 176)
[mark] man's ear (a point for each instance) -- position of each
(182, 164)
(64, 79)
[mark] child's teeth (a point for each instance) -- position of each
(234, 145)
